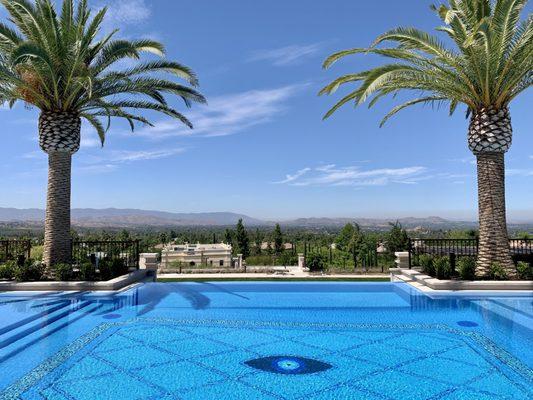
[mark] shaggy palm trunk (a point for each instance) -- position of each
(57, 223)
(59, 136)
(490, 137)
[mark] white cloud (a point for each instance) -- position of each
(291, 178)
(34, 155)
(288, 55)
(466, 160)
(121, 156)
(228, 114)
(331, 175)
(111, 161)
(90, 141)
(125, 12)
(519, 172)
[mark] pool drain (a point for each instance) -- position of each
(288, 365)
(112, 316)
(467, 324)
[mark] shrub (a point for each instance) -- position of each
(118, 267)
(104, 266)
(443, 269)
(288, 258)
(316, 262)
(62, 272)
(110, 269)
(37, 252)
(467, 268)
(87, 272)
(525, 271)
(428, 264)
(7, 271)
(497, 272)
(260, 260)
(32, 271)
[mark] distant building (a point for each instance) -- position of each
(286, 246)
(215, 255)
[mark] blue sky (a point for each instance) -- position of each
(260, 146)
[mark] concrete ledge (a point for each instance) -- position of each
(59, 286)
(304, 276)
(412, 276)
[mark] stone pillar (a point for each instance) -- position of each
(301, 261)
(238, 264)
(148, 261)
(402, 259)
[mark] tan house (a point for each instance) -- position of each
(213, 255)
(286, 246)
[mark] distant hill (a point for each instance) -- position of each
(409, 222)
(124, 218)
(113, 217)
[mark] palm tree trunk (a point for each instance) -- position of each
(493, 238)
(489, 138)
(57, 223)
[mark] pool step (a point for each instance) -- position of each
(35, 317)
(54, 314)
(20, 339)
(504, 311)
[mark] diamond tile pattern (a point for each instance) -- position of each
(156, 360)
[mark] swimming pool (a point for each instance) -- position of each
(236, 340)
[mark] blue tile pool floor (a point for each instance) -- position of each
(193, 341)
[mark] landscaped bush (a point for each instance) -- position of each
(316, 262)
(428, 264)
(62, 272)
(118, 268)
(467, 268)
(497, 272)
(87, 272)
(443, 270)
(110, 269)
(288, 259)
(31, 271)
(37, 252)
(263, 260)
(105, 269)
(525, 271)
(7, 270)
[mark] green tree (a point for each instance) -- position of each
(258, 241)
(124, 235)
(242, 240)
(61, 64)
(277, 238)
(397, 238)
(344, 239)
(488, 65)
(228, 236)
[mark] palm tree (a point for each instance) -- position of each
(62, 65)
(487, 64)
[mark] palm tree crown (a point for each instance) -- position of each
(63, 64)
(489, 65)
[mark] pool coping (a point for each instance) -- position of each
(112, 285)
(427, 283)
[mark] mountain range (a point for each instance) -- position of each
(113, 217)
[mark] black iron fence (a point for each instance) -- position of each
(521, 249)
(93, 251)
(14, 250)
(353, 260)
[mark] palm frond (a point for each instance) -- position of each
(489, 66)
(57, 60)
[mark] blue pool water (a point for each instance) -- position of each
(266, 341)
